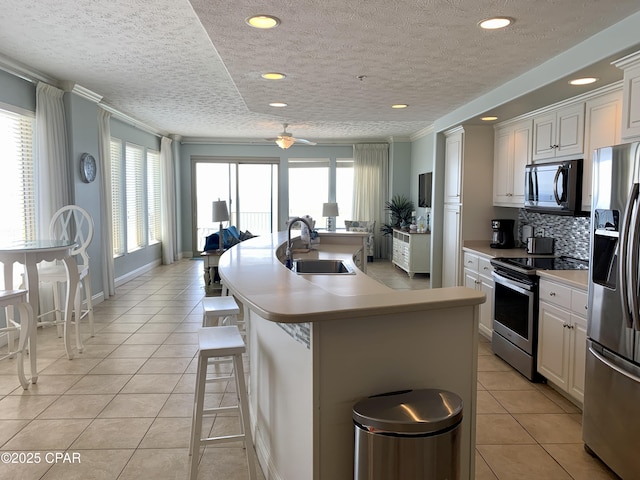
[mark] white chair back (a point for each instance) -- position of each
(74, 223)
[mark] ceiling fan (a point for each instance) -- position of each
(285, 139)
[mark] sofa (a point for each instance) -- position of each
(363, 226)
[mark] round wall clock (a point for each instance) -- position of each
(88, 168)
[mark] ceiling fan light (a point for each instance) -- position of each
(263, 21)
(284, 142)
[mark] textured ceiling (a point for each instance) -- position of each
(193, 68)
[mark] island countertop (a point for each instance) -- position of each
(254, 273)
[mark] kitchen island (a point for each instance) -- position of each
(319, 343)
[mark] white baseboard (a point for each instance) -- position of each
(137, 272)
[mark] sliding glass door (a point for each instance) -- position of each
(250, 189)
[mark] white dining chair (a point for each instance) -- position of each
(70, 223)
(10, 301)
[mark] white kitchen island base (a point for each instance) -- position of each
(320, 343)
(302, 398)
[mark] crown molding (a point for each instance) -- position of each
(132, 121)
(82, 92)
(26, 73)
(428, 130)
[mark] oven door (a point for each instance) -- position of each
(514, 305)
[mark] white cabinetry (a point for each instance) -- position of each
(411, 251)
(477, 275)
(601, 129)
(631, 95)
(562, 337)
(512, 151)
(559, 132)
(450, 245)
(453, 168)
(468, 205)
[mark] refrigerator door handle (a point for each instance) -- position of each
(613, 366)
(633, 271)
(623, 262)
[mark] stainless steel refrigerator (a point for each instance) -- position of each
(611, 420)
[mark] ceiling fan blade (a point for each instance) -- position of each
(306, 142)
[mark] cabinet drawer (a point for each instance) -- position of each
(556, 294)
(579, 301)
(470, 261)
(484, 267)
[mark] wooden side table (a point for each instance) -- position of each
(211, 277)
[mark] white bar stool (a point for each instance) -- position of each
(18, 299)
(220, 342)
(219, 311)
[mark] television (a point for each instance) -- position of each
(424, 189)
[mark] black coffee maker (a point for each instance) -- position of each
(502, 233)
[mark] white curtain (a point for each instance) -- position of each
(370, 177)
(168, 203)
(51, 159)
(106, 225)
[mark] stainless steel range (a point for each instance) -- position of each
(515, 307)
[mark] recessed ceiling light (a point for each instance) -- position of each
(495, 23)
(273, 76)
(583, 81)
(488, 118)
(278, 104)
(263, 21)
(399, 105)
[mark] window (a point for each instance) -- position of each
(135, 196)
(344, 191)
(250, 188)
(17, 182)
(153, 196)
(313, 182)
(308, 188)
(116, 197)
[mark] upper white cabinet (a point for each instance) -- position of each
(631, 95)
(452, 168)
(559, 132)
(512, 151)
(602, 129)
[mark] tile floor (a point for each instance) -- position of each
(124, 406)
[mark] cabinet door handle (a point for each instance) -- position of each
(552, 294)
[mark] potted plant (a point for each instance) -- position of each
(400, 209)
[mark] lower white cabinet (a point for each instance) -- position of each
(451, 246)
(477, 275)
(562, 337)
(412, 251)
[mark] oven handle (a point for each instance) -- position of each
(512, 284)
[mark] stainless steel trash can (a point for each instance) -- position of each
(408, 435)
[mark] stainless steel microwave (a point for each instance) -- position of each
(554, 187)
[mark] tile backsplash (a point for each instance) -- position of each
(571, 233)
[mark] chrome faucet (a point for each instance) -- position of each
(288, 253)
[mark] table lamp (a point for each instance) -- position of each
(220, 214)
(330, 210)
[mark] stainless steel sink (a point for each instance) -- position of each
(314, 266)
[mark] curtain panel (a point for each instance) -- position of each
(106, 226)
(370, 189)
(51, 158)
(168, 203)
